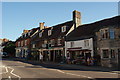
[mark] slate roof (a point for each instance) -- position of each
(87, 30)
(56, 31)
(28, 36)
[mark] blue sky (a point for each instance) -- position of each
(17, 16)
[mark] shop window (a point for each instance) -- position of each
(105, 53)
(112, 53)
(112, 35)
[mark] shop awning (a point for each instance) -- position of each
(78, 49)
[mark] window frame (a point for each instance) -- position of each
(63, 28)
(49, 32)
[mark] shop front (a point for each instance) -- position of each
(78, 55)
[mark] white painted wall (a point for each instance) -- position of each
(80, 43)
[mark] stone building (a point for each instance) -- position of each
(108, 41)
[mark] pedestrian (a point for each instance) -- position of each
(91, 61)
(41, 57)
(88, 61)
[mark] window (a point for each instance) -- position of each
(33, 45)
(63, 28)
(29, 33)
(112, 36)
(86, 43)
(112, 53)
(59, 41)
(49, 32)
(25, 42)
(104, 33)
(72, 44)
(18, 44)
(40, 34)
(105, 53)
(25, 34)
(45, 41)
(21, 43)
(52, 42)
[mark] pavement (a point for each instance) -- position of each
(17, 69)
(71, 66)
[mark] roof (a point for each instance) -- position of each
(28, 36)
(87, 30)
(56, 31)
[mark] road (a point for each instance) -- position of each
(16, 70)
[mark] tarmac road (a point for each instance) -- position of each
(17, 70)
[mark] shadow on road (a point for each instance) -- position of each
(38, 64)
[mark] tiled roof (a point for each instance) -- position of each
(87, 30)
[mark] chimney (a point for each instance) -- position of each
(41, 25)
(76, 18)
(25, 31)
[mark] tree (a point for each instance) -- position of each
(9, 47)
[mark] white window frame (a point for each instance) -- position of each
(49, 32)
(59, 41)
(40, 34)
(25, 34)
(33, 46)
(52, 41)
(25, 42)
(29, 33)
(63, 28)
(21, 43)
(18, 44)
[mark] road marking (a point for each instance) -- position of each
(5, 70)
(13, 73)
(60, 71)
(68, 73)
(9, 77)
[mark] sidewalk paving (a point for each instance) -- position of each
(71, 66)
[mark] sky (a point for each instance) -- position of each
(17, 16)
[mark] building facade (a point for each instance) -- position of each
(108, 40)
(23, 43)
(105, 35)
(49, 41)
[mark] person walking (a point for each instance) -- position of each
(41, 57)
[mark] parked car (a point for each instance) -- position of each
(5, 55)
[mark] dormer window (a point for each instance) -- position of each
(29, 33)
(49, 32)
(40, 34)
(25, 34)
(63, 28)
